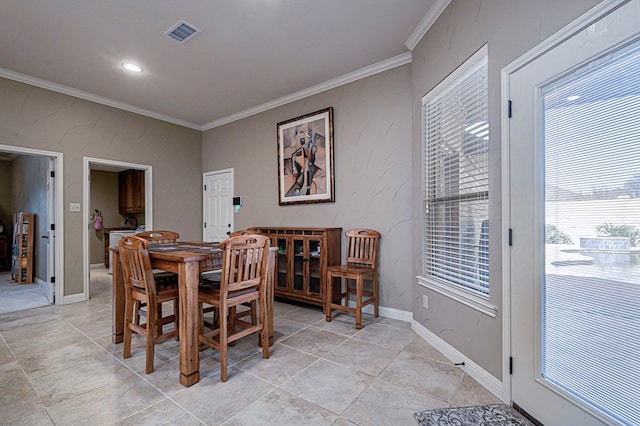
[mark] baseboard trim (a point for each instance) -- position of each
(74, 298)
(490, 382)
(392, 313)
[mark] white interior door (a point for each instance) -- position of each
(218, 205)
(573, 160)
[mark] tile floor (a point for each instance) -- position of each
(58, 366)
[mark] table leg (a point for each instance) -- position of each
(189, 277)
(117, 300)
(271, 282)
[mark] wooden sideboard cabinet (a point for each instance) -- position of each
(303, 257)
(131, 191)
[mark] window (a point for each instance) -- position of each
(456, 181)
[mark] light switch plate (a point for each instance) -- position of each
(425, 301)
(74, 207)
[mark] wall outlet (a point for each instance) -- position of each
(425, 301)
(74, 207)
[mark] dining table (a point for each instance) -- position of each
(188, 260)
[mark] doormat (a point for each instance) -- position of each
(485, 415)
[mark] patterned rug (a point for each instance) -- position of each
(485, 415)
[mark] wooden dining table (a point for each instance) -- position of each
(188, 260)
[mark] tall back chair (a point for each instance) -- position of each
(244, 279)
(161, 277)
(361, 264)
(140, 287)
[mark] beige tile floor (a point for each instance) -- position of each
(58, 366)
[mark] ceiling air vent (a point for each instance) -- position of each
(182, 32)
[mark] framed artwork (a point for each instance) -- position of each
(305, 159)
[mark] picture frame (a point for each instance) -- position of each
(305, 159)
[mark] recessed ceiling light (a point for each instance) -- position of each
(132, 67)
(573, 98)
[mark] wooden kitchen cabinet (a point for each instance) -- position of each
(302, 260)
(131, 191)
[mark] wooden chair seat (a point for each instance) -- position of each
(243, 280)
(361, 264)
(140, 288)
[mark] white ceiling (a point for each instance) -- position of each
(251, 55)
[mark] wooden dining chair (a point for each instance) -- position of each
(141, 287)
(244, 279)
(361, 264)
(212, 279)
(163, 278)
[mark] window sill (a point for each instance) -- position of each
(466, 298)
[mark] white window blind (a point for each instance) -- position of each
(456, 182)
(591, 293)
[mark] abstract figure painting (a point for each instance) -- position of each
(305, 159)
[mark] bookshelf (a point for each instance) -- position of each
(22, 249)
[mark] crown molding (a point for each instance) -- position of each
(376, 68)
(385, 65)
(427, 21)
(66, 90)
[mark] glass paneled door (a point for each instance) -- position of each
(574, 201)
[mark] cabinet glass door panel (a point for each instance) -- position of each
(315, 276)
(298, 264)
(281, 280)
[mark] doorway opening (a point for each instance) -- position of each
(37, 188)
(101, 199)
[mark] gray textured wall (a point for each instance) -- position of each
(372, 145)
(510, 28)
(36, 118)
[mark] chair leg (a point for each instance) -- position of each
(130, 305)
(265, 330)
(176, 322)
(223, 342)
(376, 297)
(254, 315)
(150, 336)
(359, 302)
(159, 315)
(136, 312)
(328, 290)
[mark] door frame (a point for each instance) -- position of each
(90, 163)
(579, 24)
(205, 217)
(56, 250)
